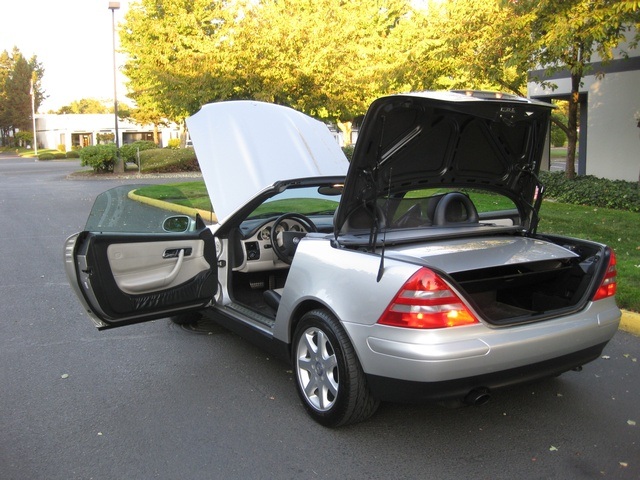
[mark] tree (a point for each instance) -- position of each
(94, 106)
(18, 78)
(327, 58)
(5, 120)
(463, 44)
(174, 50)
(566, 34)
(84, 106)
(148, 114)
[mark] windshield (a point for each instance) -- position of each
(315, 200)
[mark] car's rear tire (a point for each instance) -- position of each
(329, 378)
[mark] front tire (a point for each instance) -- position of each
(329, 378)
(186, 318)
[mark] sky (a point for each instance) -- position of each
(72, 39)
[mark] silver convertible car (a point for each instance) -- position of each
(413, 273)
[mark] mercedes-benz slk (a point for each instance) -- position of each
(415, 272)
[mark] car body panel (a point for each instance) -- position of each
(244, 147)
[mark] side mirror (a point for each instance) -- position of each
(177, 224)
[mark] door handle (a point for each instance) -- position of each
(175, 252)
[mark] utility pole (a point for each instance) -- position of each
(118, 167)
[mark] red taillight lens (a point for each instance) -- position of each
(426, 301)
(608, 286)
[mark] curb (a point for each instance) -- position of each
(172, 207)
(630, 322)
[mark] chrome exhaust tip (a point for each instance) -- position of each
(477, 396)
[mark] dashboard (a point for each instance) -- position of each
(258, 254)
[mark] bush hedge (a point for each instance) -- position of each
(592, 191)
(173, 143)
(99, 157)
(129, 151)
(165, 160)
(73, 154)
(51, 156)
(348, 152)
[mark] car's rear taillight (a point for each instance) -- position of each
(426, 301)
(608, 286)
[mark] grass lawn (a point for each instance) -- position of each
(188, 194)
(618, 229)
(560, 152)
(27, 152)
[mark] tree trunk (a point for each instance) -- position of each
(572, 125)
(346, 129)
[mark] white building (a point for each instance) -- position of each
(82, 130)
(609, 135)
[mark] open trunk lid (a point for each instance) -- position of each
(448, 139)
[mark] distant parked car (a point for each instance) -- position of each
(414, 273)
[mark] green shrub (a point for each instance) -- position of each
(46, 156)
(129, 152)
(62, 148)
(59, 155)
(73, 154)
(99, 157)
(104, 138)
(348, 151)
(24, 137)
(169, 160)
(173, 143)
(558, 137)
(592, 191)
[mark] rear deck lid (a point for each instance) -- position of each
(459, 255)
(447, 139)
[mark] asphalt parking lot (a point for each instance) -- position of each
(159, 401)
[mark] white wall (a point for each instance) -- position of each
(613, 137)
(50, 127)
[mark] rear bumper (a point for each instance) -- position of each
(406, 391)
(410, 365)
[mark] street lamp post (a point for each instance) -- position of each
(33, 117)
(118, 166)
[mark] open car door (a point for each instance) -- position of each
(134, 262)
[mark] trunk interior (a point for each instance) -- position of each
(510, 294)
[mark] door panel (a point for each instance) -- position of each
(125, 278)
(149, 266)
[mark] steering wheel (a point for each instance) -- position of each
(285, 243)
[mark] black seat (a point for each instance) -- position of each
(455, 208)
(364, 217)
